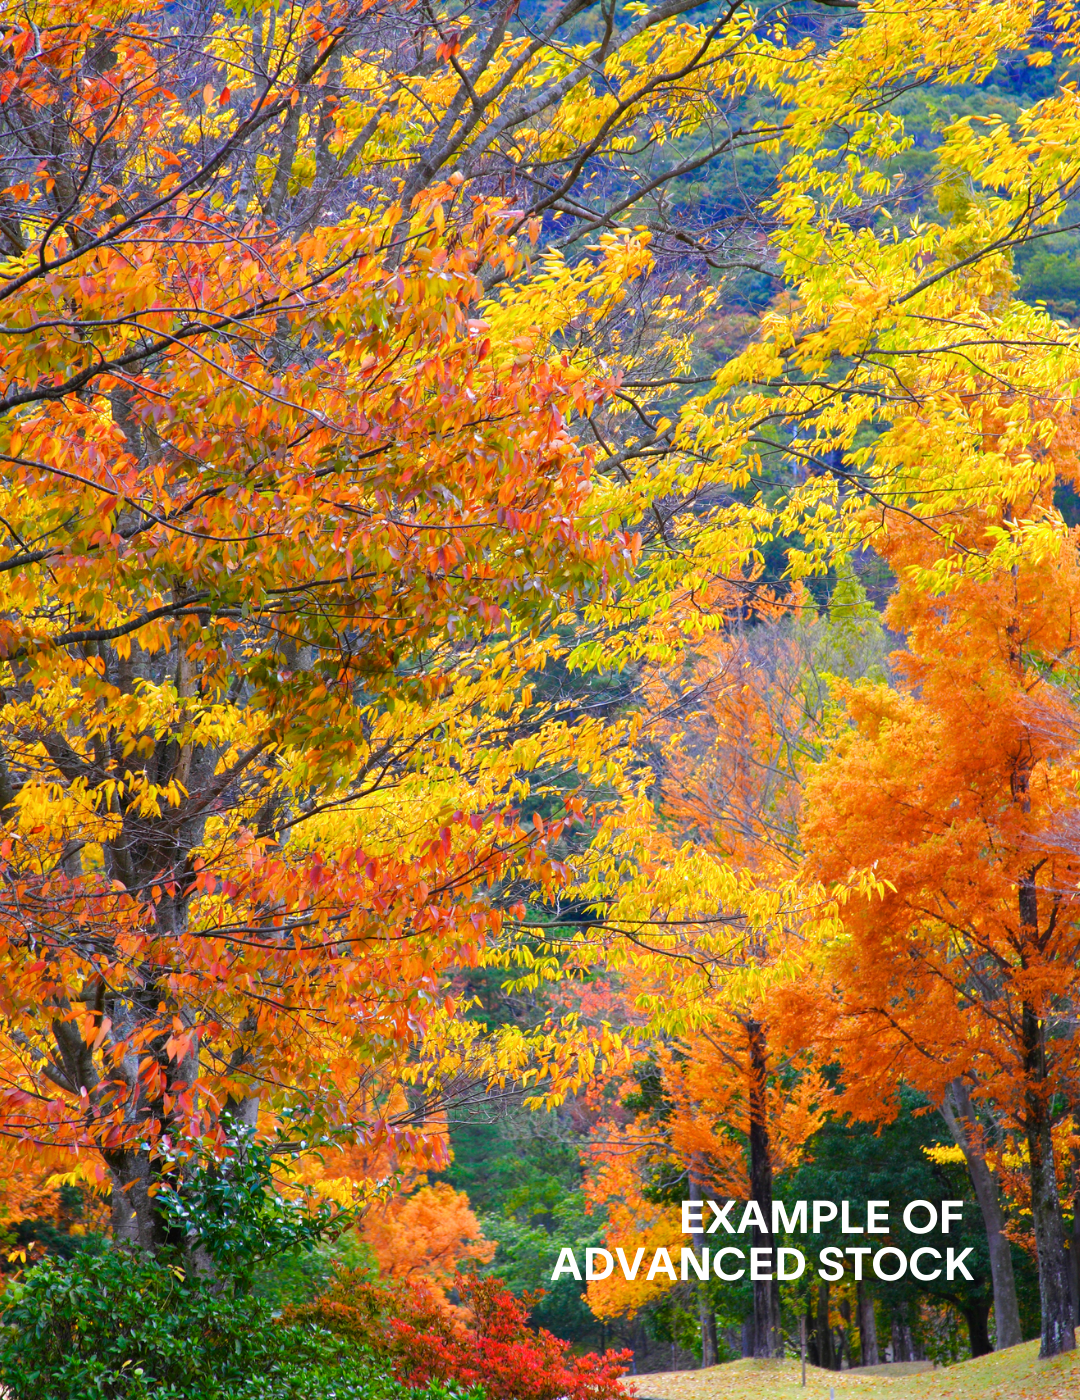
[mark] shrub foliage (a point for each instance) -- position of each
(487, 1342)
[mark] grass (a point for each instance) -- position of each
(1016, 1374)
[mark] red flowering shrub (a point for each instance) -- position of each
(494, 1348)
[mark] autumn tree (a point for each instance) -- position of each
(292, 491)
(956, 787)
(266, 491)
(429, 1235)
(713, 1115)
(704, 933)
(872, 399)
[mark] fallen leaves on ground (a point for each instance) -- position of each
(1016, 1374)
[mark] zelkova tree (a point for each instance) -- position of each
(957, 788)
(269, 494)
(801, 434)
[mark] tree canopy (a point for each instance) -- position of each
(540, 570)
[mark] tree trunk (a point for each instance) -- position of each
(135, 1219)
(707, 1321)
(977, 1317)
(902, 1347)
(767, 1337)
(846, 1331)
(1055, 1294)
(823, 1329)
(957, 1110)
(812, 1351)
(706, 1315)
(1074, 1252)
(1074, 1246)
(868, 1343)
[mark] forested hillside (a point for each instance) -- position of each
(539, 721)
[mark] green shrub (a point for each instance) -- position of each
(122, 1326)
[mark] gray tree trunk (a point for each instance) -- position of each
(768, 1340)
(959, 1114)
(824, 1329)
(903, 1348)
(1055, 1294)
(868, 1342)
(1074, 1244)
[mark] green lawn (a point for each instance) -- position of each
(1016, 1374)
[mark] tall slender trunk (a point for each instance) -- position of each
(1074, 1260)
(706, 1315)
(1074, 1244)
(767, 1337)
(957, 1110)
(977, 1317)
(812, 1350)
(1055, 1295)
(824, 1329)
(868, 1343)
(903, 1348)
(843, 1348)
(707, 1322)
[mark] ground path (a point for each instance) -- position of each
(1016, 1374)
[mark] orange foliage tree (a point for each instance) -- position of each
(269, 492)
(728, 1102)
(430, 1235)
(958, 788)
(709, 1116)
